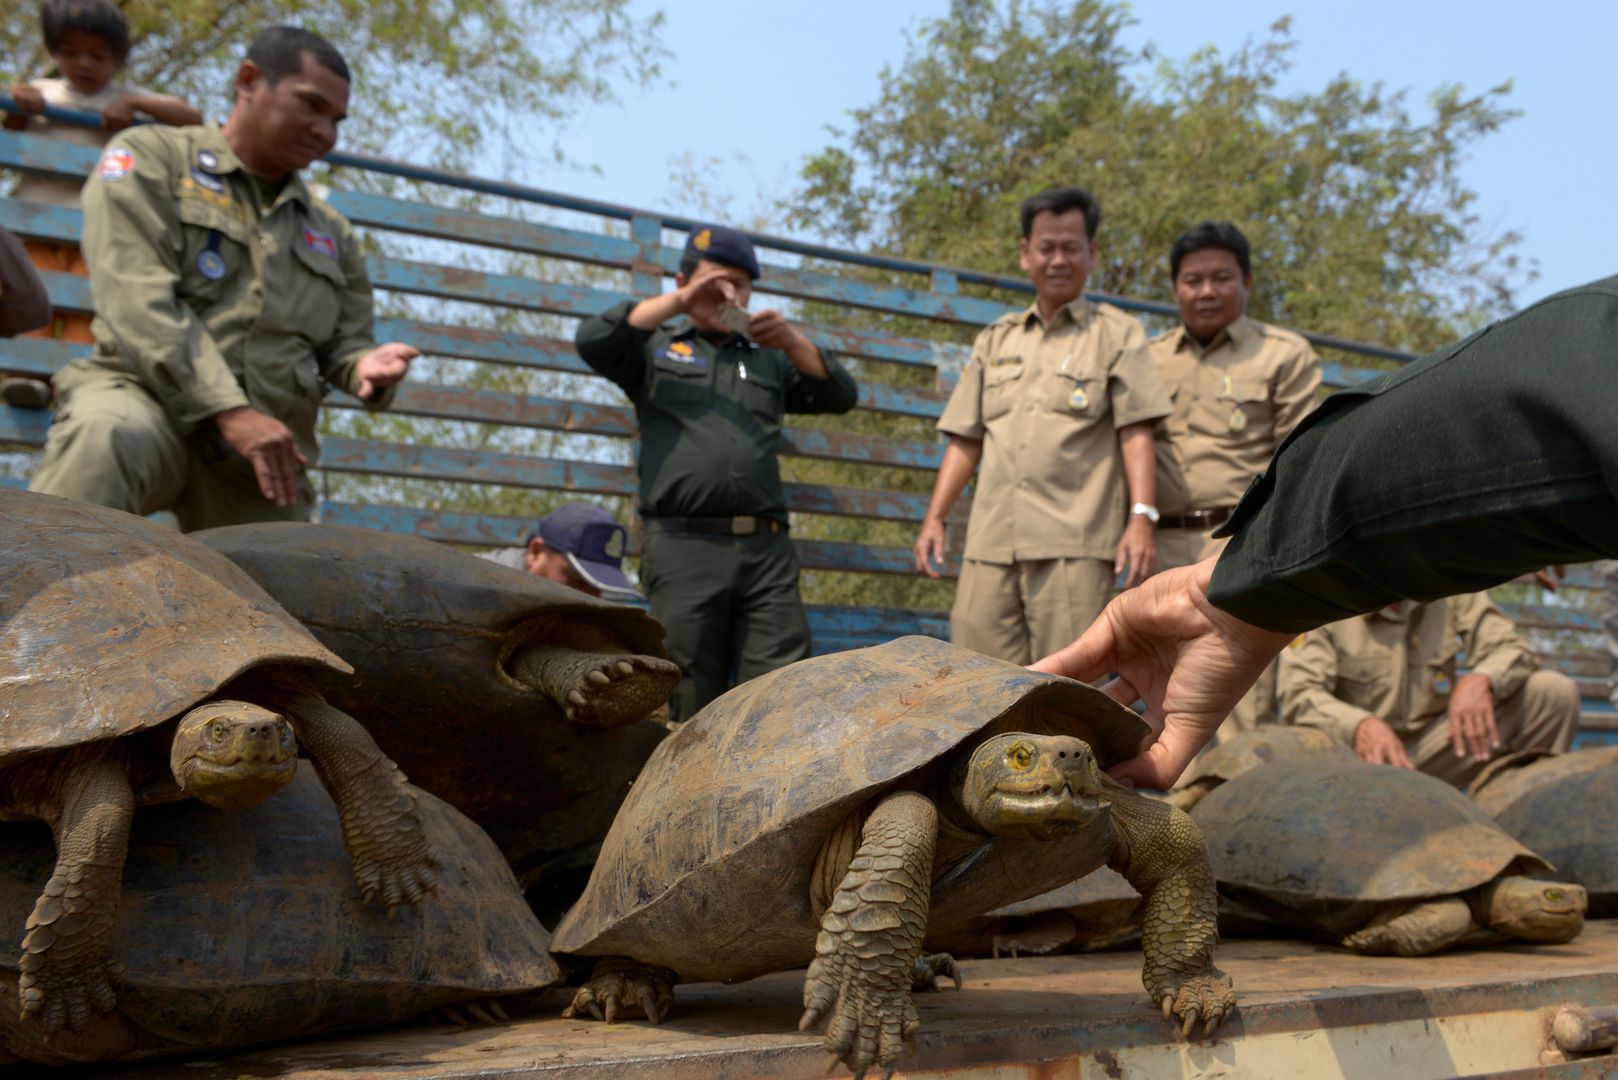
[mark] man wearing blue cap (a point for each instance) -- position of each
(578, 545)
(709, 392)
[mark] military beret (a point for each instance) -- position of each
(716, 243)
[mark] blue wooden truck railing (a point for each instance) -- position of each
(627, 247)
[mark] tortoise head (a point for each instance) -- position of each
(1549, 912)
(233, 755)
(1034, 786)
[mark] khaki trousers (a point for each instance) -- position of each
(1543, 715)
(1182, 547)
(1025, 610)
(112, 444)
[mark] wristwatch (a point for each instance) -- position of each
(1145, 510)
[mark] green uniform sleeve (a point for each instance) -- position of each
(355, 335)
(1493, 646)
(614, 348)
(1305, 679)
(836, 393)
(132, 244)
(1481, 462)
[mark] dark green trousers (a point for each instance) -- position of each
(731, 606)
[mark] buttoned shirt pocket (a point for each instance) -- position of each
(1080, 395)
(1002, 381)
(1363, 681)
(762, 393)
(679, 382)
(213, 253)
(1249, 404)
(317, 290)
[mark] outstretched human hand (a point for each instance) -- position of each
(1189, 661)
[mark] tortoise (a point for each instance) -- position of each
(828, 812)
(1250, 749)
(140, 666)
(1566, 808)
(246, 927)
(1101, 910)
(1378, 859)
(549, 685)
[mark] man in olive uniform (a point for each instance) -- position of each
(1386, 684)
(227, 299)
(1238, 386)
(1058, 402)
(709, 394)
(1485, 460)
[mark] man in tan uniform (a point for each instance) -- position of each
(1386, 684)
(1058, 403)
(227, 299)
(1238, 387)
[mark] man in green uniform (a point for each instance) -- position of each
(1485, 460)
(709, 394)
(227, 299)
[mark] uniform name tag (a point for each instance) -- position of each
(320, 243)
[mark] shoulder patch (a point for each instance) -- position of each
(116, 164)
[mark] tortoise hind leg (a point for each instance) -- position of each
(68, 973)
(594, 681)
(1419, 930)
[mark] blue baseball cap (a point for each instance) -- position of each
(719, 244)
(593, 542)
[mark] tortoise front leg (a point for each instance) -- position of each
(1160, 850)
(67, 965)
(870, 938)
(593, 680)
(393, 861)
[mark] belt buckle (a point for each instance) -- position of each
(743, 525)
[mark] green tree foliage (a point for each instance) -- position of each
(1361, 225)
(435, 81)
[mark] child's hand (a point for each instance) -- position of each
(28, 98)
(120, 114)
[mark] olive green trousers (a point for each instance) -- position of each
(112, 444)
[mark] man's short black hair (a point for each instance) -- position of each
(278, 52)
(1061, 200)
(1211, 234)
(99, 17)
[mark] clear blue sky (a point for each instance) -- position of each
(756, 86)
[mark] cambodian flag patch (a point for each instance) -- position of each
(320, 243)
(116, 164)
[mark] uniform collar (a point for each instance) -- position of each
(1078, 309)
(213, 140)
(1236, 334)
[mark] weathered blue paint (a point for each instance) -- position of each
(42, 221)
(38, 356)
(23, 426)
(497, 530)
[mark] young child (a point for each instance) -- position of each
(89, 42)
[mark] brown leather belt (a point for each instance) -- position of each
(1197, 519)
(740, 525)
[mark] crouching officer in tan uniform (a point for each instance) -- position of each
(1386, 684)
(1058, 402)
(227, 299)
(1239, 387)
(709, 393)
